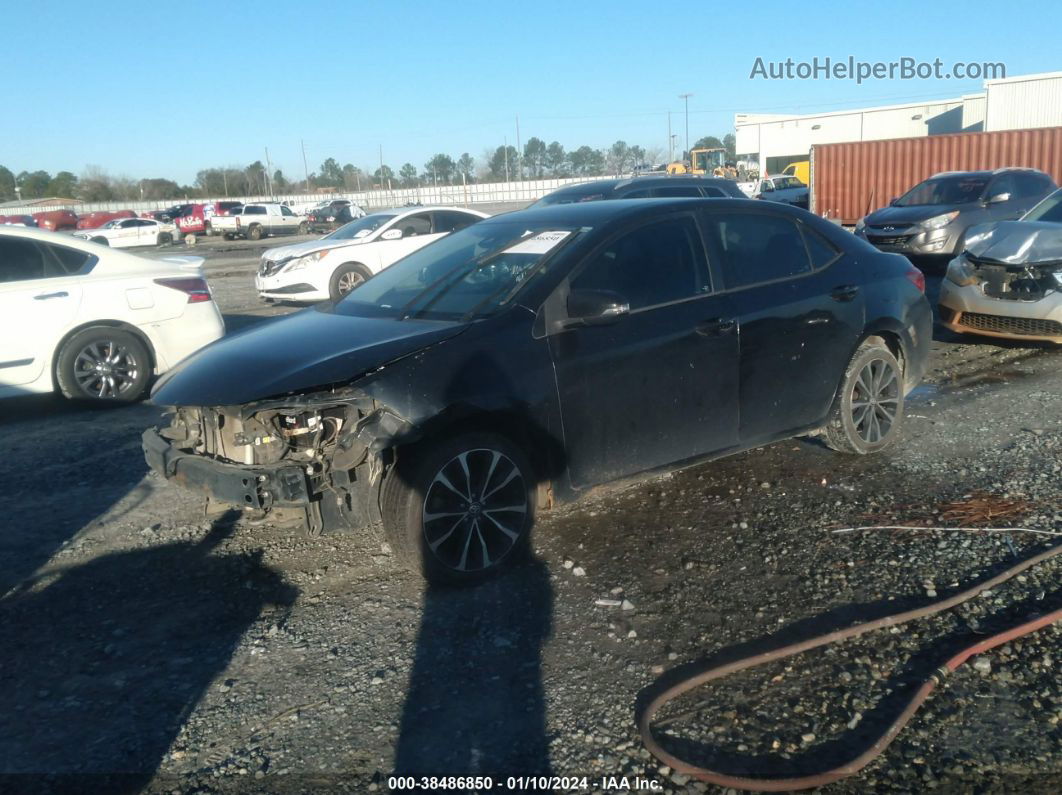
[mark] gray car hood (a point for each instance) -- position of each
(1016, 242)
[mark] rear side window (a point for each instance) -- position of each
(254, 210)
(758, 247)
(448, 221)
(20, 261)
(821, 251)
(714, 193)
(1028, 186)
(655, 264)
(70, 259)
(677, 192)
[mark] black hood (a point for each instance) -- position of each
(906, 216)
(310, 349)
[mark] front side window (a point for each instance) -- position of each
(758, 247)
(1049, 210)
(687, 191)
(362, 227)
(413, 225)
(285, 211)
(657, 264)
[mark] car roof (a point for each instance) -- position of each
(618, 183)
(597, 213)
(427, 208)
(986, 173)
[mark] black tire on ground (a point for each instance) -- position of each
(230, 236)
(346, 277)
(867, 412)
(457, 528)
(208, 230)
(164, 239)
(254, 232)
(303, 228)
(101, 240)
(104, 365)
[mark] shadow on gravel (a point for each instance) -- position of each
(897, 691)
(63, 464)
(475, 704)
(102, 663)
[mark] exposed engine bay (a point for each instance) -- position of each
(322, 453)
(1009, 282)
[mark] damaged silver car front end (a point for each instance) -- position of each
(1007, 283)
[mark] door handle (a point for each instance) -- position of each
(846, 292)
(46, 296)
(717, 326)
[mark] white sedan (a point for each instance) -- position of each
(331, 267)
(93, 323)
(128, 232)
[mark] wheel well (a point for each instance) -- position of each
(892, 341)
(96, 324)
(543, 451)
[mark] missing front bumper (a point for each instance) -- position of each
(248, 486)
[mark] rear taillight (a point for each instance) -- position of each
(197, 289)
(916, 277)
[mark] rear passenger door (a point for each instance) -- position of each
(800, 312)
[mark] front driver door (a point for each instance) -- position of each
(658, 385)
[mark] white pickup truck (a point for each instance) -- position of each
(255, 221)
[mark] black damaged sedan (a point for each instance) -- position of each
(533, 355)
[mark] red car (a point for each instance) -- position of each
(56, 220)
(100, 217)
(196, 217)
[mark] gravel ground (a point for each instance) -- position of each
(149, 647)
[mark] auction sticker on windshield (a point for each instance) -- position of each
(541, 243)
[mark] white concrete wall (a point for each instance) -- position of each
(1025, 102)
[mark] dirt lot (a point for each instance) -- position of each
(143, 646)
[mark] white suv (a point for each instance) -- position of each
(329, 268)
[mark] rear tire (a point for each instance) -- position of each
(346, 277)
(254, 232)
(101, 240)
(460, 510)
(164, 239)
(867, 412)
(104, 365)
(230, 236)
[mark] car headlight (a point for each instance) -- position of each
(961, 272)
(309, 259)
(940, 221)
(861, 225)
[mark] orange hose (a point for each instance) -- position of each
(767, 784)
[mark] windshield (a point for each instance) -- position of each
(587, 193)
(361, 227)
(467, 274)
(944, 190)
(1049, 210)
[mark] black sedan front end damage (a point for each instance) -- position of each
(319, 453)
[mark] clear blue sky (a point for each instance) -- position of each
(149, 89)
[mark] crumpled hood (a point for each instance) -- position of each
(906, 216)
(1016, 242)
(301, 249)
(309, 349)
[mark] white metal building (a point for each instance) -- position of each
(1012, 103)
(1024, 102)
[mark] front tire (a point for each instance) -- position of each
(164, 239)
(867, 412)
(104, 365)
(460, 510)
(345, 278)
(101, 240)
(304, 229)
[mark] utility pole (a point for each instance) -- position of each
(686, 99)
(305, 169)
(269, 174)
(670, 140)
(381, 166)
(505, 152)
(225, 180)
(519, 152)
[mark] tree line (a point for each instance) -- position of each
(535, 160)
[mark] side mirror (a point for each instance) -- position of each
(392, 234)
(595, 308)
(998, 198)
